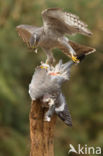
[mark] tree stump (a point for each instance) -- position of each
(41, 132)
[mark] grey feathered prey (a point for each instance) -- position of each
(46, 85)
(56, 24)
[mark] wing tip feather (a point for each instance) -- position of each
(90, 33)
(20, 26)
(91, 51)
(50, 9)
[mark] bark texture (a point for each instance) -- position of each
(41, 132)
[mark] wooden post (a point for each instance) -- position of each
(41, 132)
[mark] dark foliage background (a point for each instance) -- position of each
(84, 92)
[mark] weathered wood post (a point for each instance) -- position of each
(41, 132)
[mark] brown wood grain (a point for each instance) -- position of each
(41, 132)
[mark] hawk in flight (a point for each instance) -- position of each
(56, 24)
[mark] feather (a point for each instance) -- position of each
(44, 82)
(27, 32)
(62, 111)
(78, 48)
(63, 22)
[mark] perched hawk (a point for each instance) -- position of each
(56, 24)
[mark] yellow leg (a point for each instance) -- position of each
(44, 65)
(75, 59)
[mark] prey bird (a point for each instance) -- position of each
(56, 25)
(46, 85)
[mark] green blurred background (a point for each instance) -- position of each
(84, 92)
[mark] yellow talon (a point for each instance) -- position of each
(75, 59)
(43, 67)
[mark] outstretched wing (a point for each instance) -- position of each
(78, 48)
(81, 49)
(63, 22)
(26, 32)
